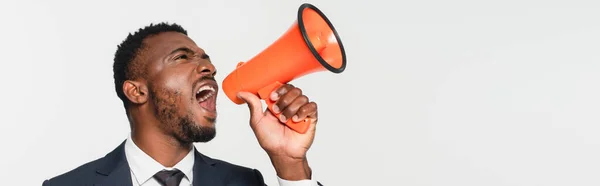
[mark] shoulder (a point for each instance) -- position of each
(234, 172)
(237, 174)
(90, 172)
(77, 176)
(236, 169)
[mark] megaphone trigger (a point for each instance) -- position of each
(264, 94)
(239, 64)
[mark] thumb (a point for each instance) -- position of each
(253, 103)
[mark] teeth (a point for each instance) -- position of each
(203, 88)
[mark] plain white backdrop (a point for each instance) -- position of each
(444, 93)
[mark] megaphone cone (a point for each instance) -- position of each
(310, 45)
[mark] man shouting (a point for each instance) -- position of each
(167, 86)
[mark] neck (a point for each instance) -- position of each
(161, 146)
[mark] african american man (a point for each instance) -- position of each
(167, 86)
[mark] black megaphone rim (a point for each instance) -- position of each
(310, 45)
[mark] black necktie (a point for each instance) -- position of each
(169, 177)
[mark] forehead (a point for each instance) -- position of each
(164, 43)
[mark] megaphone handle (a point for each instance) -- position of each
(264, 94)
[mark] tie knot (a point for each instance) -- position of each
(169, 177)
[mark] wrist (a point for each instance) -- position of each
(291, 169)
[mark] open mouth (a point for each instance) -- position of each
(206, 96)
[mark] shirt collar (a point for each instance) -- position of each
(144, 167)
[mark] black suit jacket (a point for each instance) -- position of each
(113, 170)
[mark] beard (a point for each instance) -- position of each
(180, 125)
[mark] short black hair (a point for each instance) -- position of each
(125, 63)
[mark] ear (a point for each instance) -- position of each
(136, 92)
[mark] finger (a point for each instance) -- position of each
(276, 94)
(286, 99)
(306, 111)
(253, 103)
(293, 108)
(312, 127)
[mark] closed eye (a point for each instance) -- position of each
(182, 56)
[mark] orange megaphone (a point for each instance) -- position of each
(310, 45)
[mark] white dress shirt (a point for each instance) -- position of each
(143, 167)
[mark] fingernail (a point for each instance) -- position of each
(274, 96)
(295, 118)
(282, 118)
(275, 109)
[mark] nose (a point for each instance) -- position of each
(205, 68)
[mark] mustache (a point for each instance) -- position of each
(204, 78)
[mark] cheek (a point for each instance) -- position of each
(172, 82)
(176, 86)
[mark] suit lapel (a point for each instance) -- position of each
(115, 169)
(204, 171)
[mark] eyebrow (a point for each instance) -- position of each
(185, 49)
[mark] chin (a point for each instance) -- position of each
(192, 132)
(206, 121)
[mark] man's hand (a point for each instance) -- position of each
(285, 147)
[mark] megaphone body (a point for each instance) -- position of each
(310, 45)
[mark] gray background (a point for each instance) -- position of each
(465, 93)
